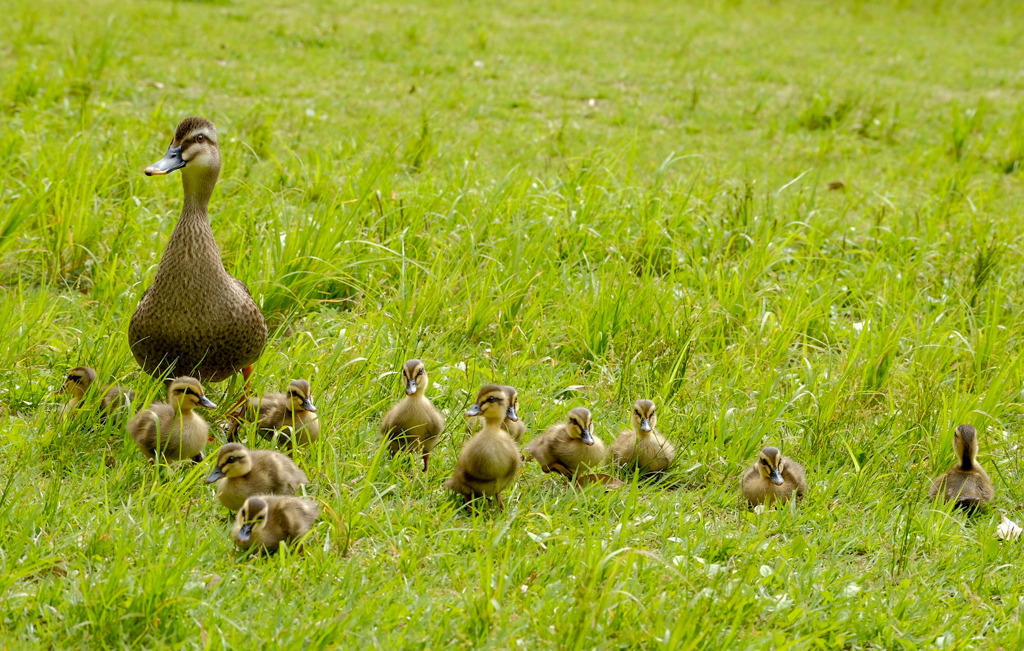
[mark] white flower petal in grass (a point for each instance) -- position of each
(765, 571)
(1008, 529)
(851, 590)
(678, 560)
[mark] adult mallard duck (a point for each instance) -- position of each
(195, 318)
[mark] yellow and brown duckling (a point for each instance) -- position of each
(266, 521)
(241, 473)
(643, 447)
(515, 428)
(173, 429)
(773, 478)
(967, 484)
(414, 424)
(77, 383)
(195, 318)
(490, 458)
(288, 418)
(569, 448)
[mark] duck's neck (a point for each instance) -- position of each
(967, 461)
(192, 250)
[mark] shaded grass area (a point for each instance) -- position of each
(594, 203)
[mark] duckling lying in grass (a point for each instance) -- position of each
(174, 430)
(77, 383)
(569, 448)
(266, 521)
(288, 418)
(773, 478)
(414, 424)
(515, 428)
(489, 460)
(241, 473)
(643, 447)
(966, 483)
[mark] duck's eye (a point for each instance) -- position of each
(200, 138)
(764, 462)
(491, 399)
(419, 372)
(231, 460)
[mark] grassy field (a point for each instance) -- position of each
(790, 223)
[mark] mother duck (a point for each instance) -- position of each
(195, 319)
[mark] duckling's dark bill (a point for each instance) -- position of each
(170, 162)
(215, 475)
(245, 533)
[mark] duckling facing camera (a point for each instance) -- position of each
(773, 478)
(569, 448)
(288, 418)
(173, 429)
(77, 383)
(489, 460)
(241, 473)
(266, 521)
(414, 424)
(515, 428)
(643, 447)
(967, 484)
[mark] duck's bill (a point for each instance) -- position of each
(214, 476)
(245, 533)
(205, 402)
(308, 405)
(775, 477)
(474, 411)
(587, 437)
(410, 387)
(171, 161)
(511, 414)
(645, 425)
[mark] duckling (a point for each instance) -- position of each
(195, 318)
(414, 423)
(241, 473)
(269, 520)
(516, 428)
(289, 418)
(643, 447)
(79, 380)
(174, 429)
(569, 448)
(773, 478)
(966, 482)
(489, 460)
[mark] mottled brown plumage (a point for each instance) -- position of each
(569, 448)
(195, 318)
(489, 460)
(414, 424)
(773, 478)
(172, 429)
(241, 473)
(643, 447)
(288, 418)
(967, 484)
(268, 520)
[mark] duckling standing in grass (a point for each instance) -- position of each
(966, 483)
(569, 448)
(414, 424)
(643, 447)
(266, 521)
(773, 478)
(289, 418)
(174, 430)
(241, 473)
(515, 428)
(489, 460)
(79, 380)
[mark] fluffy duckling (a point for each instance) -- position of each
(174, 429)
(76, 384)
(489, 460)
(773, 478)
(289, 418)
(241, 473)
(515, 428)
(414, 424)
(643, 447)
(269, 520)
(569, 448)
(966, 483)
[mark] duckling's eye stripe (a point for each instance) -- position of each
(764, 462)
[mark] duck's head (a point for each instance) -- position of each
(965, 443)
(644, 418)
(771, 465)
(233, 460)
(492, 402)
(77, 382)
(186, 393)
(581, 425)
(251, 519)
(414, 377)
(513, 401)
(300, 395)
(193, 150)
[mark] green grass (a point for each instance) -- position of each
(631, 198)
